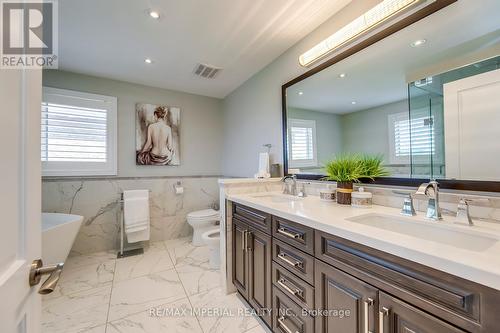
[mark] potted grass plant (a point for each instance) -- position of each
(348, 168)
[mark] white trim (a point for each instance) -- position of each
(82, 99)
(306, 124)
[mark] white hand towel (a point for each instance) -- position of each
(263, 166)
(136, 215)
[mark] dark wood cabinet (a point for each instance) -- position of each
(240, 258)
(259, 272)
(395, 316)
(346, 304)
(252, 257)
(345, 287)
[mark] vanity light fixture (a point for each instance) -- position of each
(148, 61)
(154, 14)
(418, 43)
(385, 10)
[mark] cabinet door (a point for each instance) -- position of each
(259, 269)
(347, 305)
(396, 316)
(240, 260)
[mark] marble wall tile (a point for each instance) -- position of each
(98, 200)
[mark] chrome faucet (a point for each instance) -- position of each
(463, 212)
(431, 191)
(293, 188)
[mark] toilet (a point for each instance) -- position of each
(202, 221)
(212, 239)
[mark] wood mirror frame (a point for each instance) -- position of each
(463, 185)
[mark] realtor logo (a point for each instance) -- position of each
(29, 34)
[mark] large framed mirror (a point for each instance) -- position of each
(424, 96)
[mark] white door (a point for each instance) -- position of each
(20, 192)
(472, 127)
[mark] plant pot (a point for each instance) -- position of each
(344, 190)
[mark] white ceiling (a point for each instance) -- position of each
(378, 74)
(111, 38)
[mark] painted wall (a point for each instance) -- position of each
(252, 113)
(367, 131)
(201, 123)
(328, 131)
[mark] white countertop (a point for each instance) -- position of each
(480, 266)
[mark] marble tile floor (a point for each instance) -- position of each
(169, 288)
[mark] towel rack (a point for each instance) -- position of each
(131, 252)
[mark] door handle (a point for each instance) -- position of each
(248, 248)
(366, 321)
(243, 240)
(281, 323)
(381, 315)
(37, 271)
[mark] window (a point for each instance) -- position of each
(78, 133)
(407, 138)
(302, 143)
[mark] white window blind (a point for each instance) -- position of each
(78, 133)
(302, 143)
(413, 137)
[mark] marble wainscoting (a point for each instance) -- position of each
(98, 200)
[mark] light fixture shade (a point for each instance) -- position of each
(374, 17)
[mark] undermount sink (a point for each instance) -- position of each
(278, 198)
(429, 231)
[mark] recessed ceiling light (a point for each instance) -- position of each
(342, 75)
(301, 93)
(154, 14)
(418, 43)
(353, 102)
(148, 61)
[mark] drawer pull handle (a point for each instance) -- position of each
(283, 257)
(381, 315)
(296, 292)
(281, 323)
(283, 231)
(367, 304)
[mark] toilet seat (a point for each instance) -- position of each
(204, 215)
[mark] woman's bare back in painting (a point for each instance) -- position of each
(158, 148)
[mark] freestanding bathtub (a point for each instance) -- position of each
(58, 235)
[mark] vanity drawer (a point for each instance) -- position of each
(432, 290)
(295, 234)
(253, 217)
(288, 316)
(298, 290)
(297, 262)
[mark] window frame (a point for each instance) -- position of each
(84, 99)
(306, 123)
(406, 159)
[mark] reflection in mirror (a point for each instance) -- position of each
(426, 99)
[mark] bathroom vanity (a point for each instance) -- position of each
(323, 267)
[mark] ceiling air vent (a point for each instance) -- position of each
(206, 71)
